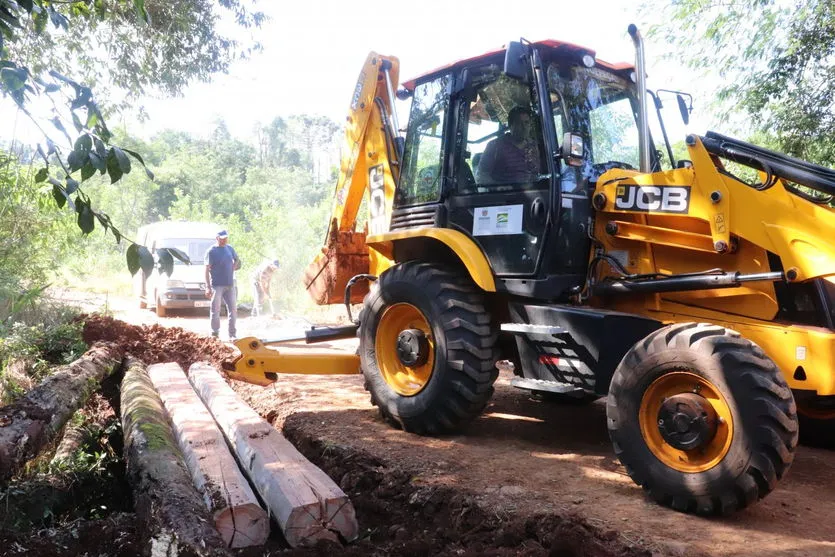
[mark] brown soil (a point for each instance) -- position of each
(526, 478)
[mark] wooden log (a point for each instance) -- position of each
(173, 518)
(237, 515)
(16, 379)
(305, 502)
(74, 437)
(29, 423)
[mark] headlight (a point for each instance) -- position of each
(174, 284)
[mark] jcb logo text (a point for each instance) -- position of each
(658, 199)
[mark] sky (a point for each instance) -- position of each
(313, 51)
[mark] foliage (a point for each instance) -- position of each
(153, 42)
(46, 345)
(775, 60)
(33, 235)
(90, 485)
(274, 205)
(129, 46)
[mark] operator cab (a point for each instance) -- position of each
(483, 156)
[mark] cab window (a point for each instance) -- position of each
(423, 157)
(503, 149)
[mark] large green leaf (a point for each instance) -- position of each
(113, 168)
(122, 158)
(138, 157)
(101, 150)
(98, 162)
(72, 186)
(12, 78)
(87, 171)
(77, 159)
(58, 195)
(180, 254)
(166, 262)
(146, 260)
(83, 144)
(132, 256)
(86, 221)
(42, 175)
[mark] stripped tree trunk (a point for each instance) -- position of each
(29, 423)
(237, 515)
(306, 503)
(75, 436)
(173, 517)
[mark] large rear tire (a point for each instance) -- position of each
(427, 348)
(702, 419)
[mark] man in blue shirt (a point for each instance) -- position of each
(221, 264)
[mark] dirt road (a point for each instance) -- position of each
(520, 459)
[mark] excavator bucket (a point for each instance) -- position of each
(345, 256)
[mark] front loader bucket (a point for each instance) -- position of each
(345, 256)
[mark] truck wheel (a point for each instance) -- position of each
(702, 419)
(161, 312)
(427, 348)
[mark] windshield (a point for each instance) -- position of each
(599, 106)
(195, 248)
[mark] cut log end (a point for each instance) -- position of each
(243, 525)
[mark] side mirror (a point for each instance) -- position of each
(572, 149)
(682, 107)
(515, 61)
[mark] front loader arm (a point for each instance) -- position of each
(370, 163)
(259, 364)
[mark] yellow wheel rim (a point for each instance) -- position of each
(404, 380)
(695, 460)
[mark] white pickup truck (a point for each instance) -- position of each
(186, 286)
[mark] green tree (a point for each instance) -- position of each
(129, 47)
(153, 42)
(776, 60)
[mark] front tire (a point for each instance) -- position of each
(427, 348)
(702, 419)
(161, 311)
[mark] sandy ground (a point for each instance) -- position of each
(524, 457)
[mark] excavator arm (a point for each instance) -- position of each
(370, 164)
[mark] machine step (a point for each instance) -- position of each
(528, 329)
(549, 386)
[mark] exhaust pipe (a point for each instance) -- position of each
(641, 78)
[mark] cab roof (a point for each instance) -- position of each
(551, 44)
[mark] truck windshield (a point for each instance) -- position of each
(599, 106)
(195, 248)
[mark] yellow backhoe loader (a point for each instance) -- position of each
(529, 222)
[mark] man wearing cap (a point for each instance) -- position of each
(221, 264)
(261, 285)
